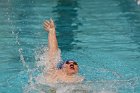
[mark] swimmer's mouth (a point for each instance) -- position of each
(72, 67)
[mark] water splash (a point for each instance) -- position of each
(37, 75)
(26, 76)
(138, 2)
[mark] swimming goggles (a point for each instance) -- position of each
(69, 62)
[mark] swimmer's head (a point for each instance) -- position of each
(69, 66)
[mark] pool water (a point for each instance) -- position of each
(103, 36)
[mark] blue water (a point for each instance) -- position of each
(102, 35)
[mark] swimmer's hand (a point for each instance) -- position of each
(49, 25)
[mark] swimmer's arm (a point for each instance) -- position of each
(52, 40)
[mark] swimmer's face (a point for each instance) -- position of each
(70, 67)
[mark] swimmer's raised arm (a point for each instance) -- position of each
(52, 40)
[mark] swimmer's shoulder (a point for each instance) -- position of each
(79, 78)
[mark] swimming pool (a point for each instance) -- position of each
(102, 35)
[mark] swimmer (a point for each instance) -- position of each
(67, 72)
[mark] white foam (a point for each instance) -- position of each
(43, 58)
(138, 2)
